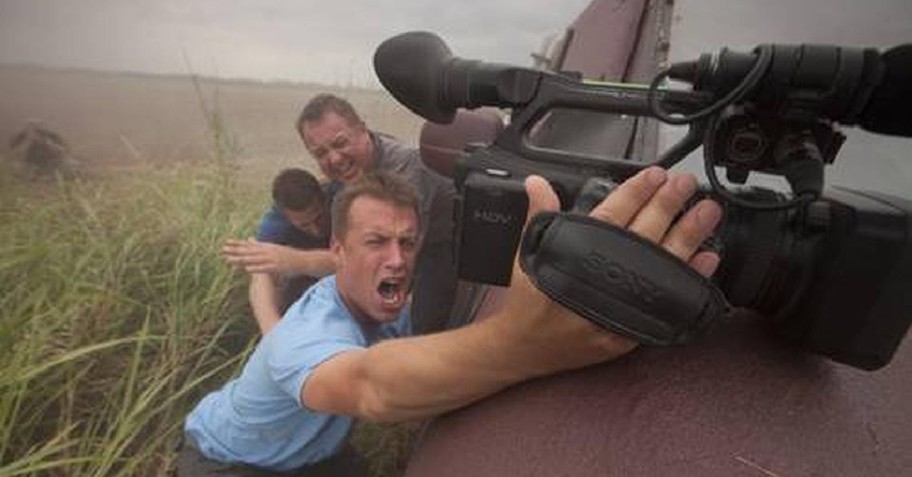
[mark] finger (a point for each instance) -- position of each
(693, 229)
(235, 247)
(257, 268)
(705, 263)
(542, 197)
(236, 256)
(235, 260)
(656, 216)
(622, 205)
(235, 243)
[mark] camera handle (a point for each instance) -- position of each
(618, 280)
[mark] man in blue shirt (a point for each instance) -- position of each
(327, 360)
(299, 216)
(257, 421)
(298, 219)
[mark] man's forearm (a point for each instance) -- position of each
(264, 257)
(419, 377)
(314, 263)
(263, 295)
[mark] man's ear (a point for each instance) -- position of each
(335, 246)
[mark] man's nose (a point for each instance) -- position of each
(333, 157)
(396, 256)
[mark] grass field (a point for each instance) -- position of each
(117, 313)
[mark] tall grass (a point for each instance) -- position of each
(115, 315)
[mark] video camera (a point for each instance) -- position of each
(833, 269)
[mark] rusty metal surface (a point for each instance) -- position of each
(737, 403)
(611, 40)
(603, 39)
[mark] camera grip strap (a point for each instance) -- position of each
(617, 279)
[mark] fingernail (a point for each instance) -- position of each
(686, 184)
(706, 263)
(655, 175)
(708, 213)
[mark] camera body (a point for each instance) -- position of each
(491, 206)
(832, 275)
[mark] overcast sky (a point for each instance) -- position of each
(329, 41)
(332, 41)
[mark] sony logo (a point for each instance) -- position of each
(604, 268)
(492, 217)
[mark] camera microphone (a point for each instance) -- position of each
(888, 110)
(847, 85)
(419, 70)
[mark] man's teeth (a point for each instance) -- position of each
(390, 292)
(344, 170)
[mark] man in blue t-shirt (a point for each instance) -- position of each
(258, 422)
(299, 219)
(338, 353)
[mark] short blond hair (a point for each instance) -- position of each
(380, 185)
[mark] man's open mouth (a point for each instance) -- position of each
(392, 291)
(346, 170)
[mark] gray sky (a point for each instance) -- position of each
(707, 25)
(329, 41)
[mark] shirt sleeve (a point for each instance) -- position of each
(273, 227)
(302, 343)
(291, 366)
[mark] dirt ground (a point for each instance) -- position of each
(113, 120)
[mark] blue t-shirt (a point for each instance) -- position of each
(275, 228)
(258, 418)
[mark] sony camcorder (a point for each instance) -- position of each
(831, 267)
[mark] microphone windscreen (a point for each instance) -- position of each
(409, 66)
(889, 110)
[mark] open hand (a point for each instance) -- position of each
(646, 204)
(259, 257)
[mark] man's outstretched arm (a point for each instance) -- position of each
(529, 336)
(264, 257)
(263, 294)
